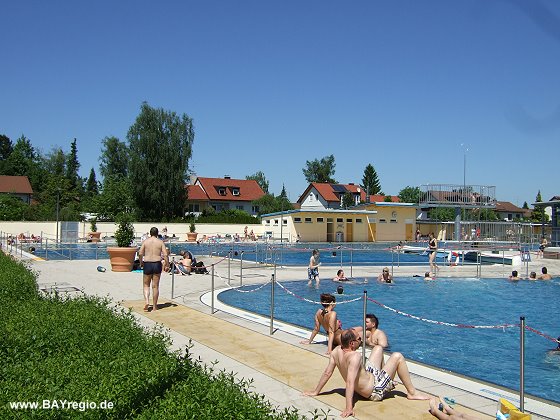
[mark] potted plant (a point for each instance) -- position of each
(191, 235)
(94, 235)
(122, 256)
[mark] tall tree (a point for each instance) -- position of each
(320, 170)
(114, 158)
(6, 149)
(283, 193)
(72, 167)
(410, 195)
(160, 145)
(261, 180)
(538, 214)
(24, 161)
(370, 181)
(92, 188)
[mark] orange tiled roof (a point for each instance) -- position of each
(329, 194)
(195, 192)
(507, 206)
(249, 189)
(15, 184)
(378, 198)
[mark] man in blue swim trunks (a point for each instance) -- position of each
(370, 381)
(151, 254)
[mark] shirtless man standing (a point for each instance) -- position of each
(151, 253)
(370, 381)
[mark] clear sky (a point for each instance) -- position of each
(400, 84)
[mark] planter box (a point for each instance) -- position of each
(191, 236)
(122, 258)
(94, 237)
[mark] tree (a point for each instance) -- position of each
(538, 214)
(24, 161)
(116, 197)
(347, 200)
(370, 181)
(410, 195)
(261, 180)
(320, 170)
(283, 193)
(268, 203)
(6, 149)
(72, 167)
(525, 206)
(114, 158)
(441, 214)
(92, 188)
(160, 144)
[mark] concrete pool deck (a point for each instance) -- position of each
(243, 344)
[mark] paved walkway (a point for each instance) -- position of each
(280, 367)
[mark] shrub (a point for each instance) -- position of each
(124, 235)
(16, 282)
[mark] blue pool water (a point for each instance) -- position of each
(290, 255)
(491, 355)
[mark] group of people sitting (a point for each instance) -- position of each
(374, 378)
(187, 265)
(532, 276)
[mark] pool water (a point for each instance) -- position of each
(491, 355)
(289, 254)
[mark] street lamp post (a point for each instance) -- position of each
(57, 205)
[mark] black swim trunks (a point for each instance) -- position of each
(152, 267)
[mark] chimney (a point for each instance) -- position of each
(227, 177)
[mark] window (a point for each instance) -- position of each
(285, 222)
(221, 191)
(358, 220)
(239, 207)
(193, 208)
(329, 220)
(320, 220)
(348, 220)
(297, 219)
(235, 191)
(393, 220)
(382, 221)
(339, 220)
(255, 209)
(308, 220)
(267, 222)
(276, 222)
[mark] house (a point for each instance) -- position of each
(19, 186)
(509, 211)
(329, 196)
(223, 194)
(321, 218)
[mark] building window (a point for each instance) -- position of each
(193, 208)
(239, 207)
(285, 222)
(276, 222)
(311, 197)
(267, 222)
(358, 220)
(297, 219)
(510, 216)
(320, 220)
(382, 221)
(308, 220)
(221, 191)
(339, 220)
(329, 220)
(235, 191)
(393, 220)
(348, 220)
(255, 209)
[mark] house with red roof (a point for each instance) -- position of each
(329, 196)
(19, 186)
(223, 194)
(509, 211)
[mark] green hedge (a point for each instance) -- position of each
(17, 282)
(86, 350)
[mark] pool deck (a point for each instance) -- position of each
(279, 366)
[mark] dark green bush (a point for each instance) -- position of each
(207, 394)
(17, 282)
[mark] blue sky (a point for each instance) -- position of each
(272, 84)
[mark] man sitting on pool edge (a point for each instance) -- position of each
(369, 381)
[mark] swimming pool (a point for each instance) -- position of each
(367, 254)
(489, 354)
